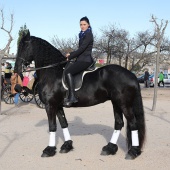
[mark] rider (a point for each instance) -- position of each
(83, 59)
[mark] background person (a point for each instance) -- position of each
(8, 67)
(161, 79)
(28, 79)
(146, 79)
(16, 87)
(3, 68)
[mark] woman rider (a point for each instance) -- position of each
(83, 59)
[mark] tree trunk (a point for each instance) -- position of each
(126, 61)
(110, 56)
(156, 78)
(120, 60)
(159, 37)
(0, 80)
(107, 58)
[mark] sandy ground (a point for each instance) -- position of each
(24, 134)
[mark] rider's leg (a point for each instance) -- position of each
(74, 69)
(71, 92)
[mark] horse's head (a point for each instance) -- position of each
(24, 53)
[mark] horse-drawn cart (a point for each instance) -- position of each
(26, 95)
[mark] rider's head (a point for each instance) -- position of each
(84, 24)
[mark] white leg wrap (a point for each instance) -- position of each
(52, 140)
(66, 134)
(135, 138)
(115, 136)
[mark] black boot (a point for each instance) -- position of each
(71, 93)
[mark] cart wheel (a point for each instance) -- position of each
(26, 97)
(37, 98)
(7, 96)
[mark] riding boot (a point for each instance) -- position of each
(71, 93)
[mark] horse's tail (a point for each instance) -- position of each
(140, 120)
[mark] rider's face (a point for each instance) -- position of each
(84, 25)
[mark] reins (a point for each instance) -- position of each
(49, 66)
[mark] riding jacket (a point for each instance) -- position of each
(84, 52)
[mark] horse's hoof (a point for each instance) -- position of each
(67, 146)
(129, 157)
(49, 151)
(133, 153)
(45, 155)
(109, 149)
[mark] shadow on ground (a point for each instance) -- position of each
(78, 128)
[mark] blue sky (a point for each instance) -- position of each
(55, 17)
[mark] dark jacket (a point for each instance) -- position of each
(146, 76)
(85, 49)
(9, 66)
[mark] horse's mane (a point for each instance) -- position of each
(49, 54)
(46, 54)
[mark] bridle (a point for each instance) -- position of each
(25, 62)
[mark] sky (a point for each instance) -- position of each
(61, 18)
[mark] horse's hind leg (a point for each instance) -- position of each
(67, 146)
(134, 149)
(111, 148)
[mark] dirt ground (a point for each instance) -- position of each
(24, 134)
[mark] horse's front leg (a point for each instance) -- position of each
(67, 146)
(50, 150)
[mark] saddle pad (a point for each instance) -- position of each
(78, 80)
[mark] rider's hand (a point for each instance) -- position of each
(67, 55)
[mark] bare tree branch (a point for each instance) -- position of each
(7, 47)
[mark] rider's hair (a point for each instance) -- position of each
(85, 19)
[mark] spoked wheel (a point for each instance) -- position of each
(37, 98)
(7, 96)
(26, 97)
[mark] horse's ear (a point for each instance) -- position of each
(27, 36)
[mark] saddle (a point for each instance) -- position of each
(78, 78)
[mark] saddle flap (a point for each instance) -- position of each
(78, 78)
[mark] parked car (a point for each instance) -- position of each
(166, 79)
(141, 79)
(151, 80)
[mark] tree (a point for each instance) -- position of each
(142, 55)
(107, 43)
(65, 45)
(23, 29)
(111, 43)
(117, 43)
(5, 50)
(159, 34)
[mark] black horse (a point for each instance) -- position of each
(111, 82)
